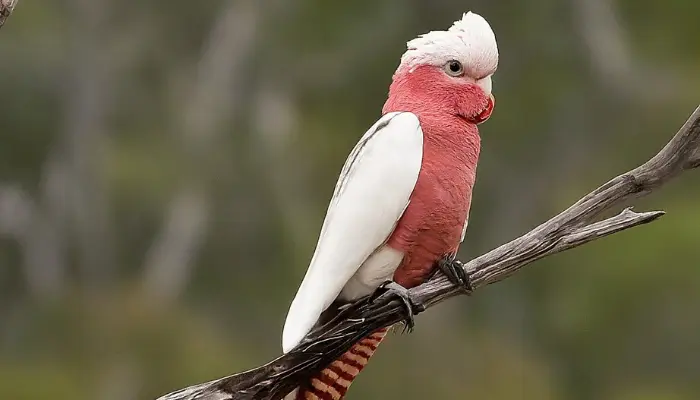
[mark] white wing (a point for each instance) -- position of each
(372, 192)
(464, 229)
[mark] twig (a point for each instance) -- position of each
(6, 8)
(573, 227)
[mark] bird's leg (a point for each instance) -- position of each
(392, 289)
(454, 270)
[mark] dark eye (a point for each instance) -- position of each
(454, 68)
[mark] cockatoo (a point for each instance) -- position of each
(402, 200)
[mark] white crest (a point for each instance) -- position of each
(469, 40)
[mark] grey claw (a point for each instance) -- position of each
(454, 270)
(393, 289)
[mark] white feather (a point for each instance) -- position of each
(464, 229)
(377, 269)
(469, 40)
(372, 192)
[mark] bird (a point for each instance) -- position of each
(402, 200)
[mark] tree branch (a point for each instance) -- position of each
(6, 8)
(573, 227)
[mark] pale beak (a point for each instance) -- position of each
(486, 113)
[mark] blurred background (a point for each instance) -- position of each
(165, 167)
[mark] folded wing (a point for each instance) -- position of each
(372, 192)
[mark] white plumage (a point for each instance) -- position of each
(469, 40)
(372, 193)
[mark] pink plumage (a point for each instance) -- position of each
(431, 225)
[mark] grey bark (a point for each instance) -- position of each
(6, 8)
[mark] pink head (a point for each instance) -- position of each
(447, 74)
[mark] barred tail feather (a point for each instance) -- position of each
(333, 382)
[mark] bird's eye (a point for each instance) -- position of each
(454, 68)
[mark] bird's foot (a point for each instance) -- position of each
(454, 270)
(390, 289)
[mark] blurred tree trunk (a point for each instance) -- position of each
(213, 97)
(83, 142)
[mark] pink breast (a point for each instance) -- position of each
(432, 224)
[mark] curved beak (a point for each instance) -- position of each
(486, 113)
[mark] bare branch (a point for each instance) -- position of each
(6, 8)
(573, 227)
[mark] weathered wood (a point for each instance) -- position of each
(573, 227)
(6, 8)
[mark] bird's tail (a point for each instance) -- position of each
(333, 382)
